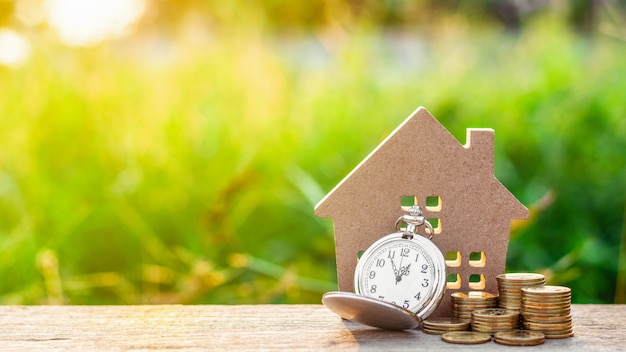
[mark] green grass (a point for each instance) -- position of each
(189, 175)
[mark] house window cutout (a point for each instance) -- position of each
(477, 282)
(453, 259)
(477, 259)
(408, 201)
(453, 281)
(433, 203)
(436, 224)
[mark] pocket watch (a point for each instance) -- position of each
(401, 275)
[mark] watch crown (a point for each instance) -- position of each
(413, 220)
(415, 210)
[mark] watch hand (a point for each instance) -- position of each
(405, 270)
(400, 273)
(396, 273)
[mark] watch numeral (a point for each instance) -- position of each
(373, 289)
(406, 304)
(425, 283)
(372, 274)
(380, 262)
(424, 268)
(417, 256)
(404, 252)
(391, 254)
(418, 296)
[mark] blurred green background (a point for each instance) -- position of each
(173, 151)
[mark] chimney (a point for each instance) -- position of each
(480, 144)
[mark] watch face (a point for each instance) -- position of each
(409, 273)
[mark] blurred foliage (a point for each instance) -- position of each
(181, 164)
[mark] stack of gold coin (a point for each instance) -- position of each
(510, 285)
(464, 303)
(548, 309)
(495, 319)
(439, 326)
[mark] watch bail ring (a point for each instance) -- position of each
(412, 221)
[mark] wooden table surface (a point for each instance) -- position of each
(257, 327)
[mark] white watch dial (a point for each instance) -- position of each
(409, 273)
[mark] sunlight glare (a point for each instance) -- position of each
(14, 48)
(82, 23)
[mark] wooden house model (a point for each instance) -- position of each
(421, 163)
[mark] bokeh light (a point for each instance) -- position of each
(83, 23)
(14, 48)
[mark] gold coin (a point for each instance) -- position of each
(546, 308)
(509, 298)
(521, 277)
(514, 286)
(546, 300)
(495, 319)
(531, 316)
(473, 295)
(519, 283)
(550, 332)
(547, 290)
(434, 332)
(491, 331)
(494, 327)
(495, 312)
(466, 337)
(446, 322)
(473, 302)
(495, 323)
(547, 303)
(547, 326)
(519, 338)
(510, 301)
(561, 335)
(546, 319)
(538, 316)
(556, 332)
(541, 293)
(544, 312)
(472, 307)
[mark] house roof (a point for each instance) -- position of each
(420, 157)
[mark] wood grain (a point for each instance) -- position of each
(254, 328)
